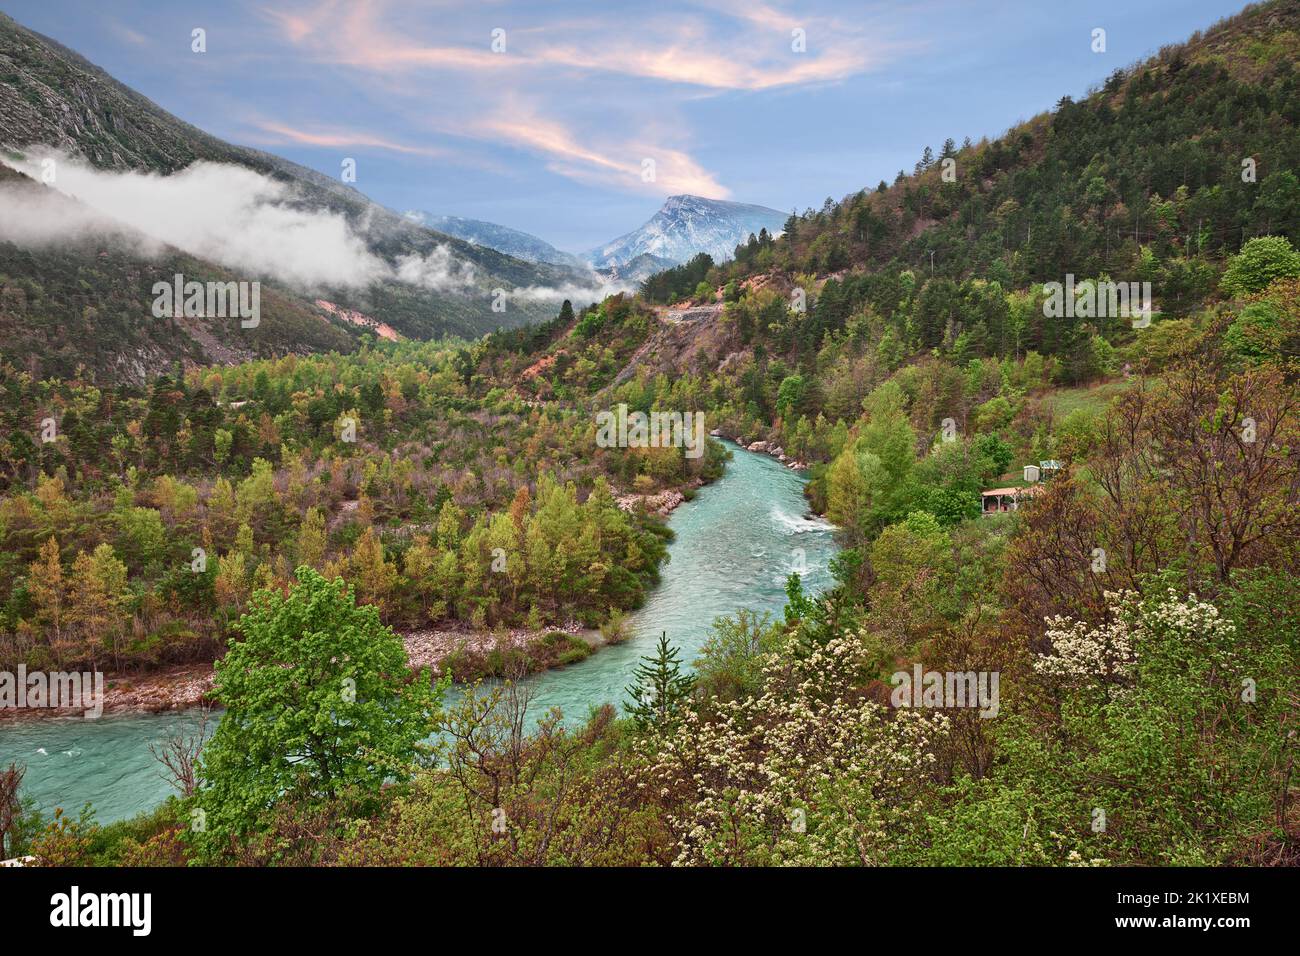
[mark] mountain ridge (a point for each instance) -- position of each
(513, 242)
(86, 303)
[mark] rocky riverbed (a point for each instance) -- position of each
(771, 449)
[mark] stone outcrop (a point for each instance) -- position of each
(661, 503)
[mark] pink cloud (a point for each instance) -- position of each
(620, 165)
(758, 57)
(478, 89)
(338, 138)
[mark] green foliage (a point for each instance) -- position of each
(1163, 770)
(258, 481)
(992, 449)
(319, 705)
(1256, 332)
(591, 322)
(934, 311)
(731, 661)
(677, 282)
(790, 394)
(1261, 261)
(870, 483)
(1268, 328)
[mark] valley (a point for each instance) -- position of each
(734, 546)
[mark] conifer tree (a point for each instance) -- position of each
(658, 688)
(48, 591)
(312, 538)
(96, 594)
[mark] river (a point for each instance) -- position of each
(736, 544)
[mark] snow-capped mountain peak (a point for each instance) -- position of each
(687, 225)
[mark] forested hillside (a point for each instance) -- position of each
(85, 306)
(390, 467)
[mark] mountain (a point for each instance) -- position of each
(427, 283)
(687, 225)
(636, 270)
(1161, 174)
(512, 242)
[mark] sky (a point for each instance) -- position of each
(575, 120)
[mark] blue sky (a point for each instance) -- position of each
(551, 134)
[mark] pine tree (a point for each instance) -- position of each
(374, 576)
(96, 594)
(658, 688)
(312, 538)
(48, 591)
(418, 565)
(791, 226)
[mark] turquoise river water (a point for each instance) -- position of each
(736, 544)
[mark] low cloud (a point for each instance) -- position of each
(576, 293)
(36, 218)
(227, 214)
(438, 270)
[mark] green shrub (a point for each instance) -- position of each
(578, 651)
(1260, 262)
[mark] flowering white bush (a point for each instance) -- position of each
(1191, 619)
(1087, 655)
(758, 781)
(812, 772)
(1084, 654)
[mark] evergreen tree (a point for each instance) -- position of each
(791, 226)
(312, 538)
(798, 605)
(47, 589)
(96, 596)
(658, 688)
